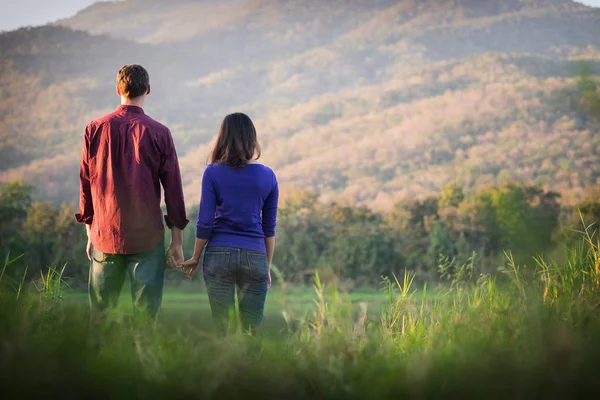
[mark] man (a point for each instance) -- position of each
(126, 157)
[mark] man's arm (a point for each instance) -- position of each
(175, 251)
(88, 247)
(86, 205)
(176, 236)
(176, 220)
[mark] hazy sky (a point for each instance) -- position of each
(17, 13)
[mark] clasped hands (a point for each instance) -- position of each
(175, 260)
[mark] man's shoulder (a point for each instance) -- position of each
(101, 120)
(142, 119)
(154, 124)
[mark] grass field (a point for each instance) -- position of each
(533, 332)
(187, 305)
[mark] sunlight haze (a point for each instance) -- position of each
(39, 12)
(16, 14)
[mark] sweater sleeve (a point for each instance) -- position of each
(208, 205)
(269, 211)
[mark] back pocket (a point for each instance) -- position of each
(258, 266)
(216, 263)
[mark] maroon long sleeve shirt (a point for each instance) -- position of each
(126, 156)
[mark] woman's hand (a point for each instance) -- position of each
(269, 280)
(189, 267)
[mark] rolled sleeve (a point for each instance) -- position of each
(170, 178)
(180, 224)
(269, 212)
(83, 219)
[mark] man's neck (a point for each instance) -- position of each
(138, 102)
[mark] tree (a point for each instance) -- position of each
(39, 231)
(440, 244)
(451, 196)
(362, 255)
(407, 228)
(573, 219)
(588, 92)
(463, 249)
(512, 217)
(15, 199)
(304, 231)
(481, 227)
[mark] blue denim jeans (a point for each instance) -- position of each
(146, 272)
(226, 268)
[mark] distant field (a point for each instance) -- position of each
(186, 306)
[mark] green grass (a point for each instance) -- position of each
(187, 304)
(530, 333)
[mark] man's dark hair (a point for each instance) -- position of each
(237, 143)
(133, 81)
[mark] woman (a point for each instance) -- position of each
(236, 224)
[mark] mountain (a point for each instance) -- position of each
(364, 101)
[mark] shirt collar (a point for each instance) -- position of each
(130, 108)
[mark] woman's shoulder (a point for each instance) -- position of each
(213, 167)
(213, 170)
(256, 166)
(263, 168)
(209, 168)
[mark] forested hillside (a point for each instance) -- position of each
(362, 101)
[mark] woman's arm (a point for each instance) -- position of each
(269, 222)
(270, 245)
(189, 267)
(206, 218)
(198, 247)
(208, 205)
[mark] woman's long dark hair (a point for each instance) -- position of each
(236, 143)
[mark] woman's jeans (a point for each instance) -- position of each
(226, 268)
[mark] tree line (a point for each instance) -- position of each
(350, 243)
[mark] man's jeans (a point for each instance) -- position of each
(228, 267)
(146, 272)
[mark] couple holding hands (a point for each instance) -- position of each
(126, 157)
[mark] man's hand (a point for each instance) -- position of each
(174, 256)
(88, 249)
(189, 267)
